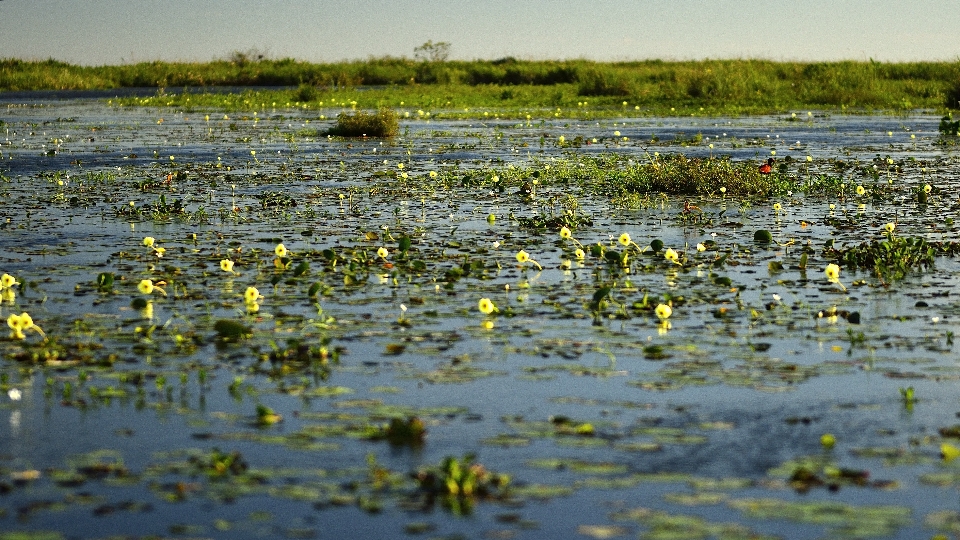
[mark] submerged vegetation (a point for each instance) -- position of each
(430, 81)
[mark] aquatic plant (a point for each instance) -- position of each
(252, 299)
(147, 286)
(19, 323)
(948, 126)
(460, 481)
(832, 271)
(411, 431)
(486, 306)
(523, 258)
(383, 123)
(893, 258)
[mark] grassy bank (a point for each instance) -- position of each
(747, 86)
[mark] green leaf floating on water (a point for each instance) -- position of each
(762, 236)
(228, 329)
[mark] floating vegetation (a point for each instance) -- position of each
(892, 259)
(458, 482)
(382, 123)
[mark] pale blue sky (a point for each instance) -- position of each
(95, 32)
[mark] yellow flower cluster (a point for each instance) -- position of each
(21, 322)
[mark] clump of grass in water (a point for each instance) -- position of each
(383, 123)
(679, 175)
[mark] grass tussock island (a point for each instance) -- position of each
(603, 88)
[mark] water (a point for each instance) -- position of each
(119, 412)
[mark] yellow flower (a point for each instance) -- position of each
(281, 250)
(145, 286)
(579, 253)
(663, 312)
(565, 233)
(7, 281)
(147, 311)
(809, 158)
(19, 323)
(562, 139)
(624, 239)
(777, 207)
(251, 295)
(701, 247)
(16, 325)
(382, 252)
(671, 256)
(861, 190)
(486, 306)
(433, 174)
(832, 271)
(226, 265)
(949, 452)
(400, 166)
(524, 257)
(159, 251)
(927, 188)
(889, 227)
(149, 241)
(616, 133)
(827, 440)
(723, 189)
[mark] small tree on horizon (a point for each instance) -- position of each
(432, 52)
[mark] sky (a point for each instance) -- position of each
(100, 32)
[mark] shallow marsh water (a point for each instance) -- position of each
(608, 425)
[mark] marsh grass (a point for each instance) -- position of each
(383, 123)
(750, 86)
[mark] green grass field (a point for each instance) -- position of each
(642, 87)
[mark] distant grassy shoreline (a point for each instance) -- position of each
(711, 86)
